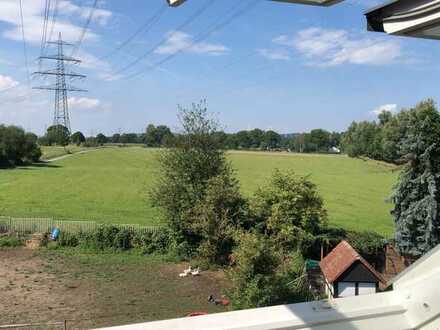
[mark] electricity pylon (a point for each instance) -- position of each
(61, 112)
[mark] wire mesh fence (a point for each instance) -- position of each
(43, 225)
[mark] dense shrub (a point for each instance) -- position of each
(288, 210)
(17, 147)
(113, 237)
(10, 241)
(367, 243)
(159, 241)
(262, 276)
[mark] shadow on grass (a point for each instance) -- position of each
(29, 166)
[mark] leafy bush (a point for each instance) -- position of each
(17, 147)
(367, 243)
(217, 216)
(288, 210)
(262, 276)
(153, 242)
(68, 239)
(9, 241)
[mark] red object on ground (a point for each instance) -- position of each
(225, 302)
(197, 314)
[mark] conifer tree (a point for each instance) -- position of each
(417, 194)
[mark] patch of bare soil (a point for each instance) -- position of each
(96, 291)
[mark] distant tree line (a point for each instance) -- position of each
(381, 139)
(17, 147)
(318, 140)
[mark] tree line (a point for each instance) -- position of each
(317, 140)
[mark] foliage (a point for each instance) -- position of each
(116, 238)
(159, 241)
(363, 139)
(10, 241)
(367, 243)
(101, 139)
(159, 136)
(186, 170)
(417, 196)
(17, 147)
(91, 142)
(262, 276)
(216, 217)
(57, 135)
(288, 209)
(78, 138)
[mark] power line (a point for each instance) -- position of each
(45, 23)
(85, 28)
(188, 21)
(54, 18)
(24, 44)
(202, 36)
(144, 28)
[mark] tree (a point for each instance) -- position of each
(58, 135)
(158, 136)
(321, 139)
(78, 138)
(271, 140)
(363, 139)
(101, 139)
(116, 138)
(217, 216)
(186, 173)
(288, 210)
(17, 147)
(243, 139)
(417, 195)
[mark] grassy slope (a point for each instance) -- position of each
(354, 190)
(111, 184)
(107, 185)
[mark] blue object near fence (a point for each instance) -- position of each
(55, 234)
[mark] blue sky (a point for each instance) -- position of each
(286, 67)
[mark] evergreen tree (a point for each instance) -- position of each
(417, 196)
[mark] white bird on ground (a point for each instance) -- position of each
(195, 272)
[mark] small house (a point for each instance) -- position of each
(347, 273)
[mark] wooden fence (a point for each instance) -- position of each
(43, 225)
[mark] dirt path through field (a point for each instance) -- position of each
(70, 155)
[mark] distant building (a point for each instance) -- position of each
(347, 273)
(335, 150)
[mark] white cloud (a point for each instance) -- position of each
(83, 103)
(336, 47)
(383, 108)
(183, 42)
(274, 54)
(7, 82)
(33, 13)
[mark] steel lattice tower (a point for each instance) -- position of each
(61, 108)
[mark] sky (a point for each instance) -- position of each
(258, 63)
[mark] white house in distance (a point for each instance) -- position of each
(347, 273)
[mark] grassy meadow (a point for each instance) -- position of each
(110, 185)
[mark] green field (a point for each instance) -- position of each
(110, 185)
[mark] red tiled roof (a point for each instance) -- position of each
(340, 259)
